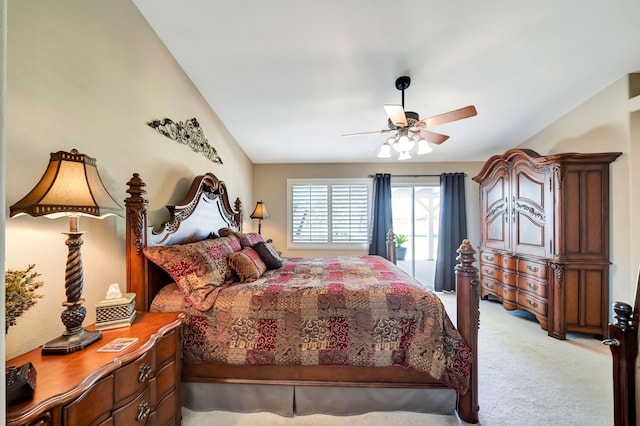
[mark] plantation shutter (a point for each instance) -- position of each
(349, 214)
(310, 213)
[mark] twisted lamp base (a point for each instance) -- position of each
(75, 338)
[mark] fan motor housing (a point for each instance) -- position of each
(412, 118)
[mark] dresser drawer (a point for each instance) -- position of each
(487, 271)
(539, 288)
(491, 287)
(166, 380)
(531, 304)
(509, 278)
(491, 258)
(509, 262)
(166, 349)
(92, 407)
(132, 378)
(166, 413)
(135, 412)
(532, 268)
(509, 294)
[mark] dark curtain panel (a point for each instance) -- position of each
(453, 229)
(382, 219)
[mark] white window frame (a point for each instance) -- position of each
(328, 245)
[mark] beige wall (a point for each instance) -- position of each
(605, 123)
(90, 75)
(270, 185)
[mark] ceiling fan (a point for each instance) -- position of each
(411, 130)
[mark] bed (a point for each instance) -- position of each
(290, 335)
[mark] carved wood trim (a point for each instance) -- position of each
(559, 270)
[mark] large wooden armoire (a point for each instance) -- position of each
(545, 237)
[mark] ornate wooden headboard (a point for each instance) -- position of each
(203, 211)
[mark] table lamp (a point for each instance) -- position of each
(70, 186)
(261, 213)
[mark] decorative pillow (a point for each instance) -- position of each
(249, 240)
(268, 255)
(225, 232)
(247, 264)
(221, 248)
(246, 240)
(197, 268)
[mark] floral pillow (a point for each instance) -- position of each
(197, 268)
(247, 264)
(246, 240)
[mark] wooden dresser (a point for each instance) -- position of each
(545, 237)
(140, 385)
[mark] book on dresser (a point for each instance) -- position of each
(545, 237)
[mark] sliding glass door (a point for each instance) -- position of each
(415, 219)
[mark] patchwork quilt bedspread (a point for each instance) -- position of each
(345, 310)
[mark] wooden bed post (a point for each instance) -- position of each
(623, 342)
(468, 314)
(136, 217)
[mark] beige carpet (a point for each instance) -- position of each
(525, 378)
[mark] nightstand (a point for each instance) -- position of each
(139, 384)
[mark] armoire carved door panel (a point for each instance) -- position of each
(495, 198)
(530, 205)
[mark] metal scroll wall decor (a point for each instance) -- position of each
(189, 133)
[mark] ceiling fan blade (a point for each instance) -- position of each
(448, 117)
(396, 114)
(433, 137)
(368, 133)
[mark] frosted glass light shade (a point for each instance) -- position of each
(404, 144)
(384, 151)
(423, 147)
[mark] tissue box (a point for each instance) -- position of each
(113, 313)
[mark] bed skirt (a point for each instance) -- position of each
(289, 401)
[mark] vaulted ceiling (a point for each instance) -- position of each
(289, 77)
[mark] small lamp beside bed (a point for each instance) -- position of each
(70, 186)
(261, 213)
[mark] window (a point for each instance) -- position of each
(328, 213)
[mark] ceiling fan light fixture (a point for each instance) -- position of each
(423, 147)
(411, 130)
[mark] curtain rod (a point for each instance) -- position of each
(414, 176)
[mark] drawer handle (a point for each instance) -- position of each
(489, 286)
(144, 372)
(489, 272)
(489, 258)
(532, 268)
(532, 304)
(143, 411)
(533, 287)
